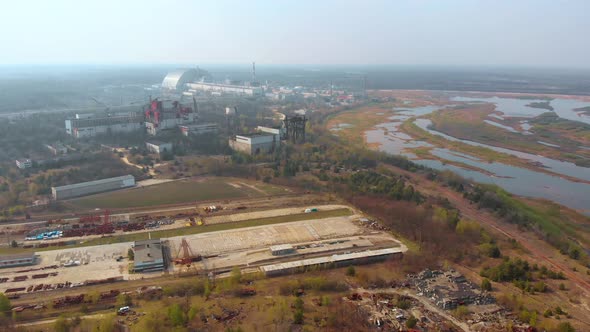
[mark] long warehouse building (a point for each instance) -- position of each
(92, 187)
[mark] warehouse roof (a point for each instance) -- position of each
(156, 142)
(148, 251)
(329, 259)
(17, 256)
(281, 247)
(90, 183)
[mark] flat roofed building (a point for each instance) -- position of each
(158, 146)
(90, 127)
(148, 256)
(282, 249)
(24, 163)
(16, 260)
(57, 149)
(199, 129)
(240, 90)
(255, 143)
(92, 187)
(338, 260)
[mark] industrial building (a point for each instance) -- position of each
(90, 127)
(279, 131)
(282, 249)
(148, 256)
(163, 115)
(158, 146)
(24, 163)
(92, 187)
(224, 89)
(199, 129)
(363, 257)
(255, 143)
(176, 80)
(57, 149)
(16, 260)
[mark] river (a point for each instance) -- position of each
(518, 180)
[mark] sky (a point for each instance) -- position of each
(532, 33)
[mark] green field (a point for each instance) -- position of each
(184, 191)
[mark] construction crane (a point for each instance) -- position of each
(187, 254)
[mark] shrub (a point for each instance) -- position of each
(350, 271)
(411, 322)
(298, 317)
(486, 285)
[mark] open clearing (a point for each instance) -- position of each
(183, 191)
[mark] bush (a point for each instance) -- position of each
(298, 317)
(350, 271)
(403, 303)
(565, 327)
(548, 313)
(411, 322)
(486, 285)
(176, 315)
(461, 311)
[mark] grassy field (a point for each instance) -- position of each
(360, 120)
(192, 230)
(184, 191)
(469, 124)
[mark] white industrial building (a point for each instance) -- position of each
(279, 132)
(255, 143)
(177, 79)
(221, 89)
(158, 146)
(92, 187)
(336, 260)
(164, 115)
(16, 260)
(57, 149)
(24, 163)
(199, 129)
(90, 127)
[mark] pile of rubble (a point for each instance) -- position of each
(449, 289)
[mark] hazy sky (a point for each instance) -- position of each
(436, 32)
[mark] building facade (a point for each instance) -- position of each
(199, 129)
(57, 149)
(24, 163)
(16, 260)
(90, 127)
(92, 187)
(238, 90)
(158, 146)
(254, 143)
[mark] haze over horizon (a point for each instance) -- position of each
(449, 33)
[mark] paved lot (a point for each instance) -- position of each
(266, 214)
(98, 262)
(265, 236)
